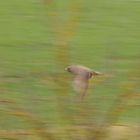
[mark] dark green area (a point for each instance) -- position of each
(106, 38)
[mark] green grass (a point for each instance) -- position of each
(106, 39)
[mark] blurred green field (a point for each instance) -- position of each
(106, 39)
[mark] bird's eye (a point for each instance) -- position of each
(68, 69)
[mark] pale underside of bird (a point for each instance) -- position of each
(82, 75)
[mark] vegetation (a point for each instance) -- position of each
(38, 39)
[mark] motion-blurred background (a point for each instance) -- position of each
(38, 39)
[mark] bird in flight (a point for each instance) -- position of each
(82, 75)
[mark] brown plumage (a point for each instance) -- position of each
(82, 75)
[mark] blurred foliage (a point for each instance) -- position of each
(39, 39)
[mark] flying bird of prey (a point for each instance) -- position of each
(82, 75)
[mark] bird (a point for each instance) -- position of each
(82, 74)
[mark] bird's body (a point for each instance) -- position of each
(82, 75)
(79, 70)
